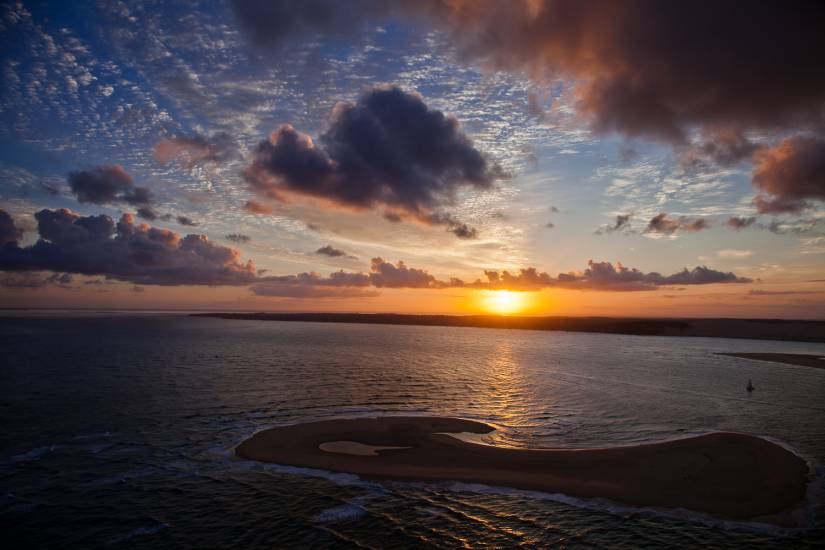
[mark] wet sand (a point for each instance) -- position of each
(803, 359)
(730, 476)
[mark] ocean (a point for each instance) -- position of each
(117, 430)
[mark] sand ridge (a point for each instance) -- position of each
(727, 475)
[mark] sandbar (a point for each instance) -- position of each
(726, 475)
(802, 359)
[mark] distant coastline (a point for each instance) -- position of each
(757, 329)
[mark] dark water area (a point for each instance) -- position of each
(117, 430)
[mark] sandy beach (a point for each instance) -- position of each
(801, 359)
(727, 475)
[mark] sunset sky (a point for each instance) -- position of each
(593, 158)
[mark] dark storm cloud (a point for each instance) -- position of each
(9, 232)
(621, 224)
(238, 238)
(333, 252)
(389, 149)
(196, 150)
(109, 184)
(738, 222)
(789, 175)
(665, 225)
(96, 245)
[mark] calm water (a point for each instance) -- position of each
(116, 429)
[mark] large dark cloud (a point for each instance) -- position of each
(389, 149)
(196, 150)
(789, 175)
(665, 225)
(96, 245)
(109, 184)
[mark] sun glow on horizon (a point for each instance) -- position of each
(504, 302)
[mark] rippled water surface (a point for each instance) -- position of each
(117, 430)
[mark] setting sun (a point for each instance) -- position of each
(504, 302)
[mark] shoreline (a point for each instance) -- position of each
(799, 359)
(725, 475)
(755, 329)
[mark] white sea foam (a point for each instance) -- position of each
(341, 513)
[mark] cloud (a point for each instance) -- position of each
(9, 232)
(622, 224)
(789, 175)
(387, 275)
(599, 276)
(196, 150)
(35, 281)
(147, 213)
(332, 252)
(108, 184)
(730, 253)
(312, 285)
(254, 207)
(183, 220)
(238, 238)
(662, 224)
(389, 149)
(640, 67)
(720, 147)
(735, 222)
(759, 292)
(141, 254)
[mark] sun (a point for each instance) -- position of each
(503, 302)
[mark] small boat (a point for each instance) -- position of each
(750, 387)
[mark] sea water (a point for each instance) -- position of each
(117, 430)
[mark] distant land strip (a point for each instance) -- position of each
(757, 329)
(800, 359)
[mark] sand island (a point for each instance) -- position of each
(727, 475)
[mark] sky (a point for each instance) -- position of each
(541, 157)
